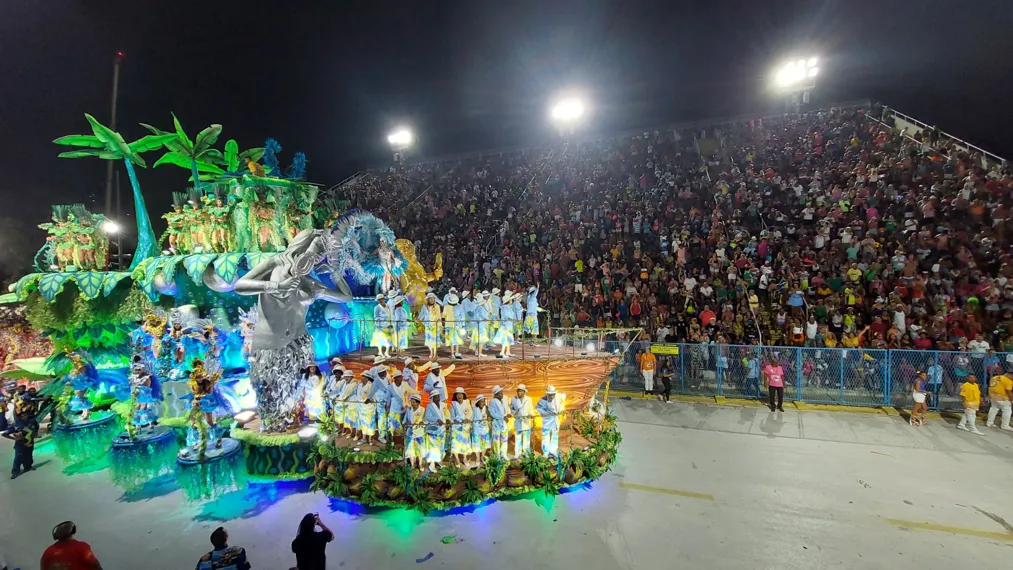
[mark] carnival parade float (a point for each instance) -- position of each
(272, 333)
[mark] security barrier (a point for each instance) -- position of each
(845, 376)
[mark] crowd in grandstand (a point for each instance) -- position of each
(819, 229)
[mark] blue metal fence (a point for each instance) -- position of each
(847, 376)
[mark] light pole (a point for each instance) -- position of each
(113, 229)
(567, 112)
(400, 140)
(795, 79)
(112, 125)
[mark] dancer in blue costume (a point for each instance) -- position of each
(82, 377)
(381, 340)
(480, 429)
(481, 318)
(206, 399)
(531, 319)
(505, 331)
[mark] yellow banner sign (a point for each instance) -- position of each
(665, 348)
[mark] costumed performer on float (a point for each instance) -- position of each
(523, 411)
(436, 431)
(313, 392)
(281, 345)
(518, 313)
(460, 421)
(381, 340)
(451, 328)
(415, 432)
(206, 403)
(380, 394)
(366, 418)
(494, 301)
(349, 408)
(411, 374)
(480, 429)
(498, 414)
(82, 377)
(430, 317)
(548, 407)
(401, 316)
(531, 319)
(141, 392)
(436, 379)
(395, 410)
(505, 331)
(480, 318)
(333, 385)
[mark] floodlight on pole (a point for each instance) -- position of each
(797, 75)
(400, 138)
(568, 110)
(110, 227)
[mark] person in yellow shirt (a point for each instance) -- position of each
(971, 394)
(999, 389)
(648, 363)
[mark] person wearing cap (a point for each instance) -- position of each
(411, 374)
(522, 410)
(366, 420)
(415, 431)
(480, 318)
(380, 395)
(451, 332)
(430, 317)
(531, 318)
(461, 326)
(548, 408)
(518, 312)
(436, 431)
(344, 389)
(505, 330)
(498, 415)
(469, 305)
(435, 380)
(400, 316)
(398, 392)
(480, 429)
(495, 301)
(460, 420)
(381, 327)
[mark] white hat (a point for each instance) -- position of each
(550, 390)
(396, 300)
(429, 290)
(532, 289)
(435, 393)
(479, 398)
(379, 296)
(496, 389)
(453, 290)
(495, 291)
(522, 387)
(347, 373)
(464, 294)
(452, 299)
(459, 390)
(378, 359)
(416, 398)
(435, 366)
(395, 373)
(408, 360)
(430, 296)
(485, 292)
(508, 293)
(336, 360)
(379, 369)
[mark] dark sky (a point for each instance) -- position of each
(330, 78)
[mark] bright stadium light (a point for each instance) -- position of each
(798, 75)
(568, 110)
(401, 138)
(110, 227)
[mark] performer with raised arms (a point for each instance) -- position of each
(531, 319)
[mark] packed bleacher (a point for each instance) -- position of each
(821, 229)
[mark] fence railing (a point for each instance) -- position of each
(846, 376)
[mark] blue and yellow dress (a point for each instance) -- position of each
(381, 326)
(480, 439)
(431, 320)
(415, 432)
(459, 416)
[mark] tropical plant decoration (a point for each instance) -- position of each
(107, 144)
(196, 155)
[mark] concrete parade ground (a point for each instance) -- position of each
(697, 485)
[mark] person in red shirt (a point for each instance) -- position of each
(67, 553)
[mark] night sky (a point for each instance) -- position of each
(331, 78)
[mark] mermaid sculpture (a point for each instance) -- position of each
(281, 346)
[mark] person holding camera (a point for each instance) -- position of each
(310, 544)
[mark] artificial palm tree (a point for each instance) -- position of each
(107, 144)
(196, 155)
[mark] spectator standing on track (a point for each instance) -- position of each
(67, 553)
(648, 364)
(999, 390)
(773, 378)
(24, 448)
(223, 557)
(970, 393)
(310, 545)
(666, 372)
(919, 395)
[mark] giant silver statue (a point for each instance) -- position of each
(281, 347)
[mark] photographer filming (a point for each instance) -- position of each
(310, 544)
